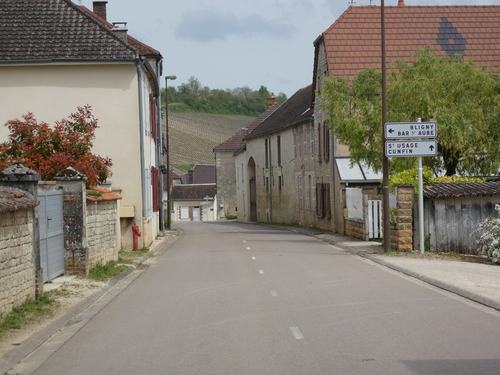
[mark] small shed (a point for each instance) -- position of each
(194, 202)
(454, 210)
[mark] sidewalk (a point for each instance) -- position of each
(474, 281)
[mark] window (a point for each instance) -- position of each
(267, 152)
(311, 129)
(305, 138)
(295, 142)
(156, 190)
(326, 140)
(184, 212)
(320, 143)
(279, 150)
(323, 207)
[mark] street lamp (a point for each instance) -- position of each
(169, 183)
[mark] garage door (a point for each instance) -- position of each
(51, 234)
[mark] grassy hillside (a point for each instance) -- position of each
(193, 135)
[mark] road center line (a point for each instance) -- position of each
(296, 333)
(248, 248)
(274, 293)
(261, 272)
(254, 258)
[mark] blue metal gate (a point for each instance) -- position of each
(51, 234)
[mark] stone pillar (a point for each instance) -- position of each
(74, 216)
(21, 177)
(404, 217)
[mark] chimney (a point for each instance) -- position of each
(271, 100)
(99, 8)
(401, 3)
(120, 32)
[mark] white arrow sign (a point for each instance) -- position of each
(410, 148)
(406, 130)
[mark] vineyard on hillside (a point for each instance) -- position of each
(193, 135)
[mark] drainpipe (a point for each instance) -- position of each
(333, 191)
(159, 146)
(139, 63)
(271, 182)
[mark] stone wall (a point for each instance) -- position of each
(355, 228)
(17, 262)
(226, 186)
(404, 218)
(102, 233)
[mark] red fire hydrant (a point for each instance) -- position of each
(136, 234)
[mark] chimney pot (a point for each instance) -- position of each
(271, 100)
(120, 32)
(401, 3)
(99, 8)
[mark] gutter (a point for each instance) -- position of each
(138, 64)
(63, 61)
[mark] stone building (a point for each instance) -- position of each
(353, 43)
(275, 170)
(226, 168)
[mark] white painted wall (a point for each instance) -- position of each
(52, 92)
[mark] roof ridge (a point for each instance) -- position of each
(108, 25)
(79, 9)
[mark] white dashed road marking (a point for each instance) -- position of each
(296, 333)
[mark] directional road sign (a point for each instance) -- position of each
(410, 148)
(408, 130)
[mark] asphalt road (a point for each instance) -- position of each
(233, 298)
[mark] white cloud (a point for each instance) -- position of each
(211, 25)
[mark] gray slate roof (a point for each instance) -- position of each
(297, 108)
(55, 30)
(463, 189)
(193, 192)
(235, 143)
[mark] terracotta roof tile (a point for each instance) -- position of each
(472, 31)
(106, 195)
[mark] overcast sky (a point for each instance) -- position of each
(236, 43)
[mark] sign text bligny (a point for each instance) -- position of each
(416, 130)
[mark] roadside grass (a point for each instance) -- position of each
(442, 255)
(35, 310)
(129, 257)
(104, 272)
(30, 311)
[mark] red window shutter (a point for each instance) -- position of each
(156, 190)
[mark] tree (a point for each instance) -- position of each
(48, 150)
(463, 99)
(194, 96)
